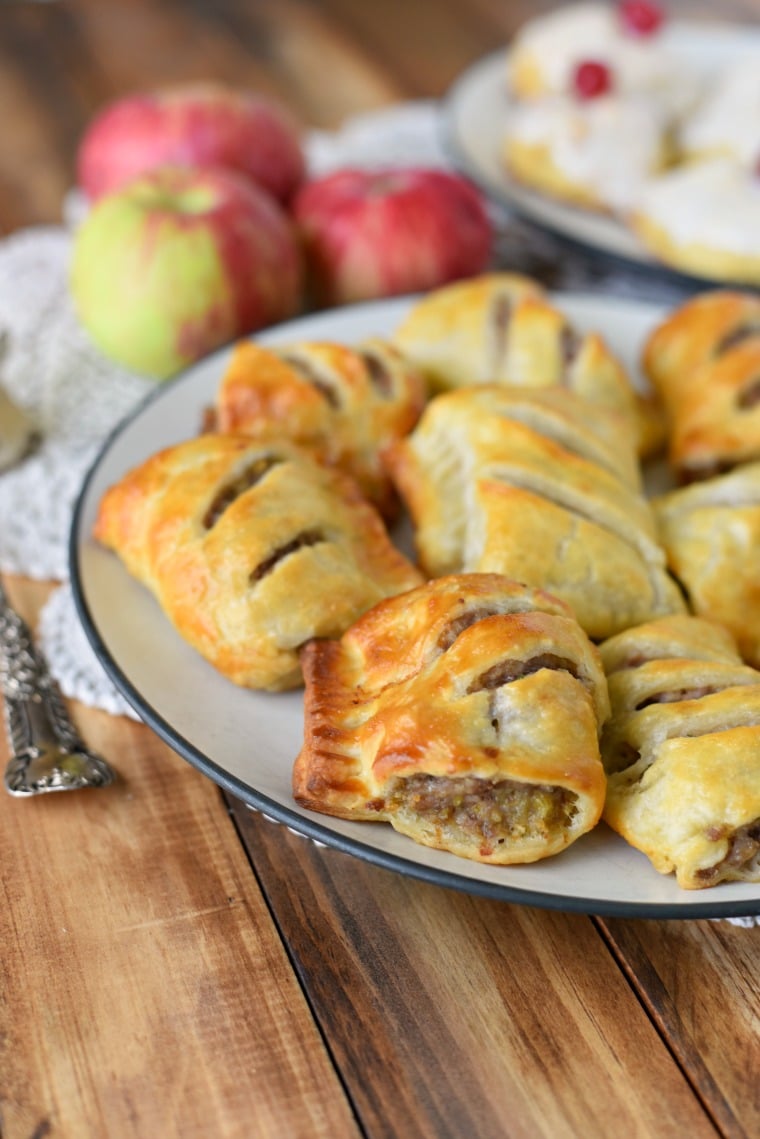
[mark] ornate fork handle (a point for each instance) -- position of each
(47, 753)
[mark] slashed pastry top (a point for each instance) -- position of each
(705, 361)
(701, 330)
(491, 492)
(499, 329)
(251, 548)
(457, 334)
(343, 404)
(682, 750)
(711, 534)
(466, 713)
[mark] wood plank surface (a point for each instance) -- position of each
(700, 983)
(451, 1015)
(154, 981)
(144, 990)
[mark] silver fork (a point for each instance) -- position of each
(47, 753)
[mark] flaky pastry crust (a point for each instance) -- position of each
(502, 329)
(711, 534)
(252, 549)
(682, 751)
(342, 404)
(704, 360)
(466, 714)
(488, 492)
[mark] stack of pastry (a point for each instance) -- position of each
(704, 359)
(597, 98)
(607, 115)
(535, 476)
(466, 710)
(682, 750)
(502, 328)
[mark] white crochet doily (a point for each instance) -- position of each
(75, 396)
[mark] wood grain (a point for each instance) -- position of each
(452, 1016)
(700, 982)
(154, 982)
(144, 990)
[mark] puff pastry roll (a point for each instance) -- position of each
(342, 404)
(251, 548)
(700, 330)
(704, 360)
(711, 534)
(466, 713)
(501, 328)
(682, 751)
(489, 492)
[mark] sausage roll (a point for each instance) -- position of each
(466, 713)
(501, 328)
(492, 493)
(711, 534)
(704, 360)
(698, 331)
(251, 548)
(342, 404)
(682, 750)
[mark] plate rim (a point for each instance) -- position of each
(455, 148)
(303, 825)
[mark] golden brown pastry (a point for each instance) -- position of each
(488, 492)
(457, 334)
(501, 328)
(711, 534)
(466, 714)
(698, 331)
(704, 360)
(342, 404)
(252, 549)
(682, 751)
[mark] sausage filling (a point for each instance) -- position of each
(233, 490)
(481, 811)
(744, 845)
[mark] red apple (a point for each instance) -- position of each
(179, 262)
(201, 124)
(381, 233)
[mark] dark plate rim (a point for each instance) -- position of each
(314, 830)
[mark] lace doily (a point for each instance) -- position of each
(75, 396)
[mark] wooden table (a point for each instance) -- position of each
(174, 964)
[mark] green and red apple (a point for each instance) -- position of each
(179, 262)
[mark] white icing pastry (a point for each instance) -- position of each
(558, 41)
(608, 145)
(727, 120)
(715, 204)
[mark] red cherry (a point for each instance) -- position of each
(592, 78)
(640, 17)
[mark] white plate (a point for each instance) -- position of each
(247, 741)
(477, 108)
